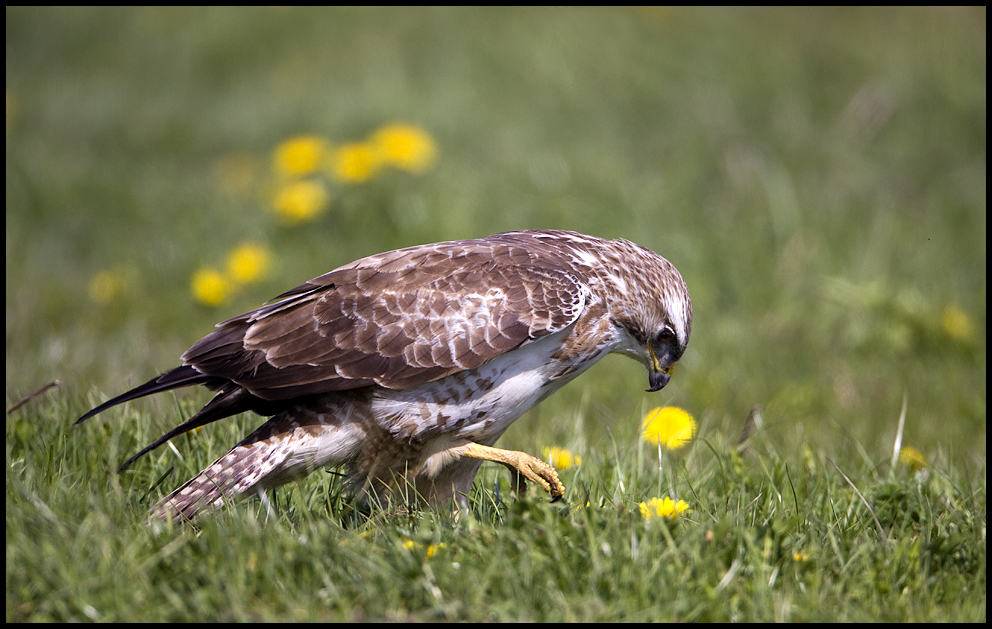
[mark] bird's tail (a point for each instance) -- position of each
(280, 451)
(230, 399)
(182, 376)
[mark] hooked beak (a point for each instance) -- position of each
(658, 376)
(658, 380)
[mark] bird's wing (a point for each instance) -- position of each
(397, 319)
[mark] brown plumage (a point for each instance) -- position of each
(406, 367)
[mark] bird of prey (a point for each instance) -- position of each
(405, 368)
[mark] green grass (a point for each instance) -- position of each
(818, 176)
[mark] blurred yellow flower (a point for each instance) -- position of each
(236, 173)
(800, 555)
(664, 508)
(560, 458)
(355, 162)
(210, 287)
(432, 549)
(405, 146)
(670, 427)
(913, 458)
(300, 156)
(300, 201)
(248, 262)
(107, 285)
(957, 324)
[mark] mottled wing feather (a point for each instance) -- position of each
(397, 320)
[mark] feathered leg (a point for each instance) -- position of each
(287, 447)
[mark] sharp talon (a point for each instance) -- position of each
(521, 465)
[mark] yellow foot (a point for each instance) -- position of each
(521, 463)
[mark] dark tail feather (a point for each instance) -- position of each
(183, 376)
(230, 400)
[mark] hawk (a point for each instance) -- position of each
(405, 368)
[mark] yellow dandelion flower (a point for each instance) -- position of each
(300, 156)
(432, 549)
(800, 555)
(560, 458)
(210, 287)
(406, 146)
(355, 162)
(670, 427)
(248, 262)
(664, 508)
(301, 201)
(106, 286)
(913, 458)
(957, 324)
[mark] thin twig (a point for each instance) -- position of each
(31, 396)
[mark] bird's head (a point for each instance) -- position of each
(659, 348)
(653, 315)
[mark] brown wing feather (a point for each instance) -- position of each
(397, 319)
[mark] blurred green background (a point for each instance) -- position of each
(817, 175)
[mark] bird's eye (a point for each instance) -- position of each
(665, 336)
